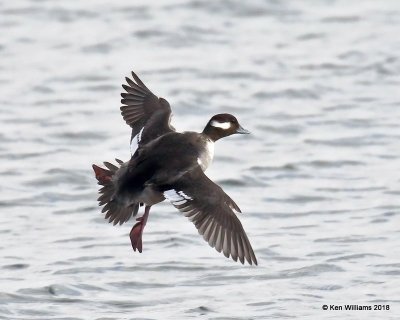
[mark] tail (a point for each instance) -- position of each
(114, 210)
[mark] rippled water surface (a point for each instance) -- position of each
(317, 83)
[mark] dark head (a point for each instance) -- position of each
(223, 125)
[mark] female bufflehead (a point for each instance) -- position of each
(170, 165)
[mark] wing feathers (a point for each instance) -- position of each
(136, 87)
(132, 102)
(139, 81)
(204, 226)
(220, 239)
(234, 251)
(142, 109)
(132, 113)
(240, 248)
(134, 96)
(227, 240)
(213, 213)
(133, 91)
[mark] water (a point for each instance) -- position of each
(316, 82)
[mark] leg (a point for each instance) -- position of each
(137, 230)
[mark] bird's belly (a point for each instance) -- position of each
(150, 196)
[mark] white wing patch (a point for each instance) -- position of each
(176, 197)
(135, 141)
(222, 125)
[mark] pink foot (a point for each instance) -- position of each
(137, 231)
(136, 235)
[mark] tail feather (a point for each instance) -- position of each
(102, 175)
(114, 211)
(111, 167)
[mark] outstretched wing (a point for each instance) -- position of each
(213, 213)
(147, 115)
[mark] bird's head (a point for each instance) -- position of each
(223, 125)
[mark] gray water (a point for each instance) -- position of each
(317, 83)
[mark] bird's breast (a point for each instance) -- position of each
(206, 154)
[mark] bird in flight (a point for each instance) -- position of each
(170, 165)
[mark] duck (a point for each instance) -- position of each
(170, 165)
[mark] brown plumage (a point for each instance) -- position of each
(170, 165)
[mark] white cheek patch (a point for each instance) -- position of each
(222, 125)
(176, 197)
